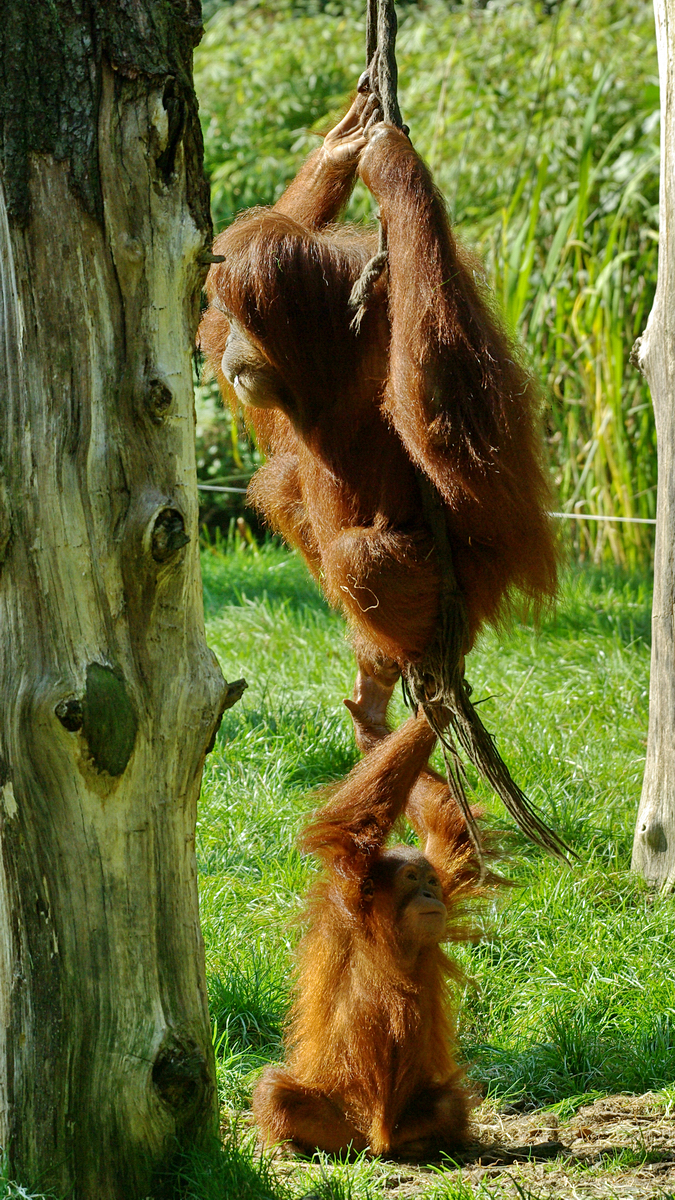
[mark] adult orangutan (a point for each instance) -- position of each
(359, 420)
(370, 1060)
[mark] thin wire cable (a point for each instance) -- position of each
(602, 517)
(212, 487)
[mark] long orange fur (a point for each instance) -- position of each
(429, 382)
(370, 1049)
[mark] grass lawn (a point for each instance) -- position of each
(570, 995)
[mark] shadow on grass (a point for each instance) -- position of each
(603, 600)
(316, 747)
(232, 575)
(248, 1005)
(230, 1170)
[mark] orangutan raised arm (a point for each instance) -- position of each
(456, 393)
(430, 807)
(324, 183)
(355, 824)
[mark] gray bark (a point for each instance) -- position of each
(654, 843)
(109, 696)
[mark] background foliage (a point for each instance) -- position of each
(542, 130)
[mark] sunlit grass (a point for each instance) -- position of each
(572, 989)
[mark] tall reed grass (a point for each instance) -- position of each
(579, 301)
(542, 131)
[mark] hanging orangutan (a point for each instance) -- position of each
(363, 421)
(370, 1060)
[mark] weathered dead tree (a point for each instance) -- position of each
(109, 696)
(654, 844)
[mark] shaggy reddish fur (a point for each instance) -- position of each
(370, 1048)
(430, 381)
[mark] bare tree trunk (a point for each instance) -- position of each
(109, 696)
(654, 844)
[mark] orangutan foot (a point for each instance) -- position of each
(373, 687)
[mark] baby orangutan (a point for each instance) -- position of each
(370, 1049)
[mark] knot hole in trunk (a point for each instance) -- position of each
(168, 534)
(158, 400)
(181, 1077)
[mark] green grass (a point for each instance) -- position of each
(571, 990)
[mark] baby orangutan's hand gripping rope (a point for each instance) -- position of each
(370, 1047)
(403, 457)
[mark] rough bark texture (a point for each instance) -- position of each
(109, 696)
(654, 844)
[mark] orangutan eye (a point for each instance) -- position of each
(412, 875)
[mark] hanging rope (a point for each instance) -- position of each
(437, 683)
(381, 75)
(381, 30)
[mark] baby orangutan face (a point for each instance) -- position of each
(414, 887)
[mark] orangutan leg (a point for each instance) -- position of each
(435, 1119)
(288, 1112)
(373, 687)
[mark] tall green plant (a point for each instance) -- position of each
(579, 314)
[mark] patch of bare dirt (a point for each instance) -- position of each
(619, 1146)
